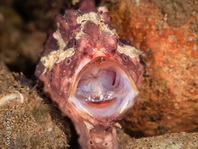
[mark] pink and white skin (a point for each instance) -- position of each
(90, 73)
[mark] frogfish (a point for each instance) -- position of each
(90, 73)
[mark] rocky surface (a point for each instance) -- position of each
(171, 141)
(168, 100)
(166, 31)
(28, 120)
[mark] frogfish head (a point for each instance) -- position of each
(87, 70)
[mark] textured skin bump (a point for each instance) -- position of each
(81, 36)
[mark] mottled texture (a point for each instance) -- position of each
(37, 124)
(169, 94)
(26, 31)
(33, 123)
(90, 74)
(177, 12)
(171, 141)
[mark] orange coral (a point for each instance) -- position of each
(169, 95)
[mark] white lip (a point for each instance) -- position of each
(124, 96)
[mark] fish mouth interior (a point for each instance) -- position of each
(104, 89)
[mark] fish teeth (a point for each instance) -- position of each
(92, 97)
(101, 98)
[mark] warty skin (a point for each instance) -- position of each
(90, 74)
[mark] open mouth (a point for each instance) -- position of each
(104, 89)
